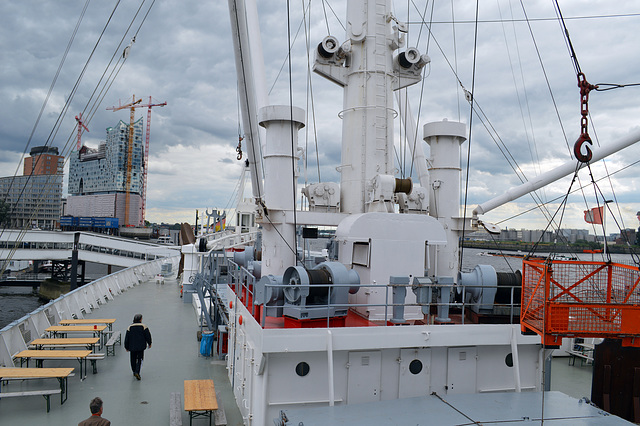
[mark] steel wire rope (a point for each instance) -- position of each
(52, 85)
(570, 18)
(469, 97)
(44, 104)
(53, 133)
(431, 35)
(579, 72)
(292, 140)
(56, 124)
(121, 60)
(68, 101)
(473, 84)
(600, 195)
(310, 97)
(65, 152)
(422, 86)
(249, 124)
(561, 196)
(532, 151)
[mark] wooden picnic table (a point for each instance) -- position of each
(108, 321)
(62, 330)
(62, 374)
(68, 342)
(200, 398)
(42, 354)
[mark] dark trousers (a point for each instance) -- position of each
(136, 360)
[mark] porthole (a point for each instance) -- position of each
(302, 369)
(415, 367)
(509, 360)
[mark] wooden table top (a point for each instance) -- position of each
(199, 395)
(56, 353)
(75, 328)
(88, 321)
(80, 341)
(17, 373)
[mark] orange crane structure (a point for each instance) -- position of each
(81, 126)
(129, 154)
(133, 105)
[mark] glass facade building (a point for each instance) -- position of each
(35, 200)
(104, 170)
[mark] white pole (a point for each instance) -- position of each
(555, 174)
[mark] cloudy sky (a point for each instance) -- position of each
(525, 84)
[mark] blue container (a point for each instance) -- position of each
(85, 222)
(111, 222)
(206, 344)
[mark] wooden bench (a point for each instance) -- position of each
(45, 393)
(111, 344)
(200, 399)
(220, 418)
(56, 354)
(175, 409)
(93, 358)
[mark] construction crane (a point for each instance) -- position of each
(80, 127)
(146, 156)
(133, 105)
(127, 194)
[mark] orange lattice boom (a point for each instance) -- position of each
(581, 299)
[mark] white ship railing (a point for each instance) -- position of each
(16, 336)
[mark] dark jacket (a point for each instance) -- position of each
(137, 338)
(95, 421)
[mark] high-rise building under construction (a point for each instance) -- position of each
(98, 177)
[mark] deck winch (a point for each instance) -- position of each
(487, 290)
(301, 293)
(320, 292)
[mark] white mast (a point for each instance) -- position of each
(367, 131)
(246, 87)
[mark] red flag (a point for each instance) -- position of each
(594, 215)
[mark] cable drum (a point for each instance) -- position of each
(507, 280)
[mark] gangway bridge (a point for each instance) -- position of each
(54, 246)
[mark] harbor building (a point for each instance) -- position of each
(98, 177)
(43, 160)
(35, 198)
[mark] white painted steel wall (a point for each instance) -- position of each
(262, 362)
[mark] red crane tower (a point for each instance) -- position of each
(137, 104)
(80, 127)
(146, 156)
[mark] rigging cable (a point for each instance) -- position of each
(44, 104)
(466, 185)
(62, 114)
(293, 147)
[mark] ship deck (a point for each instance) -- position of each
(173, 358)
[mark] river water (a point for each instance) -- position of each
(16, 302)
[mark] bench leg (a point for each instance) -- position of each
(193, 414)
(63, 389)
(48, 398)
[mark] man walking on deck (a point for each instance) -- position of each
(136, 340)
